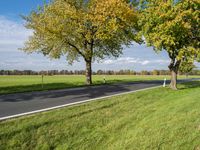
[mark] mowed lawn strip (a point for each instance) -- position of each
(154, 119)
(16, 84)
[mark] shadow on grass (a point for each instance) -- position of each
(37, 87)
(189, 85)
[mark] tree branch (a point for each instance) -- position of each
(76, 49)
(83, 35)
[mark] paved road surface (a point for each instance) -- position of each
(13, 104)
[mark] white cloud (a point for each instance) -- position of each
(131, 60)
(26, 62)
(162, 61)
(145, 62)
(12, 34)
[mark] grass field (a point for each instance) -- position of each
(154, 119)
(14, 84)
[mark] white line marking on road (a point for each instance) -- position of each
(75, 103)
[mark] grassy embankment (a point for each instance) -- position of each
(14, 84)
(153, 119)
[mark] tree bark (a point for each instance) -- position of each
(173, 84)
(174, 66)
(187, 74)
(88, 72)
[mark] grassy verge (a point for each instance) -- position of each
(154, 119)
(15, 84)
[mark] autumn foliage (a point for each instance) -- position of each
(92, 30)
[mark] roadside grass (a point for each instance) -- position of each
(154, 119)
(16, 84)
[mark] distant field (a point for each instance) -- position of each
(148, 120)
(13, 84)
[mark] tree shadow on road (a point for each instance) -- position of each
(76, 94)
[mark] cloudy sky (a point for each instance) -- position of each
(13, 34)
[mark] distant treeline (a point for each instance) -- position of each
(99, 72)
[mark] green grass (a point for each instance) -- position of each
(153, 119)
(14, 84)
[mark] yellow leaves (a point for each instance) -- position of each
(171, 26)
(107, 23)
(111, 16)
(187, 52)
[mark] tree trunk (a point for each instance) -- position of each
(174, 66)
(173, 84)
(186, 75)
(88, 73)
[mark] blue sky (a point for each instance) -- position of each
(13, 34)
(14, 8)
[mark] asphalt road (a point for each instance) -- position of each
(14, 104)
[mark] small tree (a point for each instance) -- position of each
(155, 72)
(172, 26)
(186, 67)
(92, 30)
